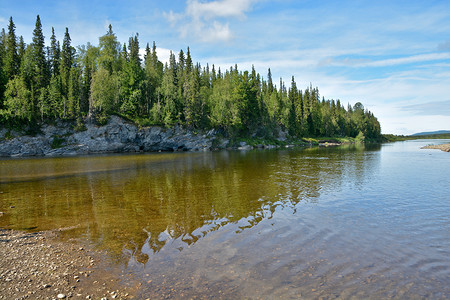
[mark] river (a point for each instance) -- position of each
(338, 222)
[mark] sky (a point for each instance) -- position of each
(392, 56)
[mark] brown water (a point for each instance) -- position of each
(335, 222)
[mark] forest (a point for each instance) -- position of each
(40, 83)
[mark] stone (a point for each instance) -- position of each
(245, 148)
(61, 296)
(116, 136)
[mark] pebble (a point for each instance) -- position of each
(28, 262)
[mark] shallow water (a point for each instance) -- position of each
(341, 222)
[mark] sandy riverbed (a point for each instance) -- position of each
(41, 266)
(443, 147)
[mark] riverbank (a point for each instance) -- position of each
(40, 266)
(442, 147)
(65, 138)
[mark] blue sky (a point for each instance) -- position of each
(393, 56)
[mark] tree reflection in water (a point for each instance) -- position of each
(124, 202)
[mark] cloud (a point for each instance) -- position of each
(209, 21)
(434, 108)
(356, 62)
(223, 8)
(162, 53)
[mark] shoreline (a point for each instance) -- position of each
(39, 265)
(442, 147)
(121, 136)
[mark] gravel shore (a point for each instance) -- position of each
(443, 147)
(41, 266)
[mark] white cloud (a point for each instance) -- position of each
(172, 17)
(208, 21)
(223, 8)
(355, 62)
(434, 108)
(162, 53)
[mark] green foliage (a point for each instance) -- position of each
(104, 92)
(109, 51)
(18, 104)
(48, 83)
(360, 137)
(58, 142)
(80, 126)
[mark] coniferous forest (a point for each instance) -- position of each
(40, 83)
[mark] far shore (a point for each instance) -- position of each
(443, 147)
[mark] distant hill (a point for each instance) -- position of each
(431, 133)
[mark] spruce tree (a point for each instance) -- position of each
(12, 61)
(165, 109)
(293, 96)
(133, 47)
(38, 51)
(189, 64)
(21, 49)
(38, 73)
(3, 77)
(2, 46)
(269, 82)
(154, 79)
(67, 60)
(55, 54)
(74, 93)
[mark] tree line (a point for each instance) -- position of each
(40, 83)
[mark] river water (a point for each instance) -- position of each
(342, 222)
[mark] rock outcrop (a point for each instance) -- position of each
(116, 136)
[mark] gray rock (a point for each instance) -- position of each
(245, 148)
(117, 135)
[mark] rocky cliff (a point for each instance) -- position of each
(116, 136)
